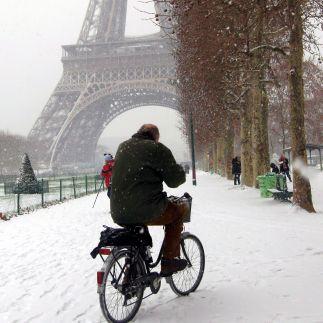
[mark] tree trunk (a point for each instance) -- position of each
(215, 161)
(229, 148)
(220, 156)
(246, 143)
(302, 195)
(260, 143)
(259, 101)
(205, 161)
(282, 123)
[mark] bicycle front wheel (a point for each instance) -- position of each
(121, 297)
(186, 281)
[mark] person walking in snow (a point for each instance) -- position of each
(274, 168)
(236, 170)
(106, 172)
(284, 167)
(142, 164)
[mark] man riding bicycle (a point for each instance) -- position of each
(142, 164)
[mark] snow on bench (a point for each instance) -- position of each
(281, 195)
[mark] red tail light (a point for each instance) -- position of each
(99, 277)
(105, 251)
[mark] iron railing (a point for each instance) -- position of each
(55, 190)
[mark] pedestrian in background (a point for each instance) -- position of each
(284, 167)
(236, 170)
(106, 172)
(274, 168)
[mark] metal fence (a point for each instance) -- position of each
(55, 190)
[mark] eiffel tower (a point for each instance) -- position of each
(104, 75)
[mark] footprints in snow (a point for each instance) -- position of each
(47, 291)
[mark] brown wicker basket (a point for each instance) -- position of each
(185, 199)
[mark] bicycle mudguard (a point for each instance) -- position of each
(185, 234)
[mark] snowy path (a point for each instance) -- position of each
(264, 261)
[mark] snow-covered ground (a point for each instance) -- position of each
(264, 261)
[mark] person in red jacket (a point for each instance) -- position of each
(284, 167)
(106, 172)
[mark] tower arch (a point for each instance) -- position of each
(79, 139)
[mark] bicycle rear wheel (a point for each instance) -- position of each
(186, 281)
(121, 297)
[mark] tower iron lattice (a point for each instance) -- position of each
(104, 75)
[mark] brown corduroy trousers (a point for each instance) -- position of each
(172, 219)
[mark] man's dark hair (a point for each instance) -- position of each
(149, 130)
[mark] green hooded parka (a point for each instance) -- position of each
(141, 167)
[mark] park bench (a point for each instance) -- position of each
(281, 195)
(281, 191)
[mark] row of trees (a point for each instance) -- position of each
(240, 64)
(279, 121)
(12, 148)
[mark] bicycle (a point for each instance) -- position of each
(127, 269)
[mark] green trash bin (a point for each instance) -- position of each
(261, 184)
(281, 182)
(266, 182)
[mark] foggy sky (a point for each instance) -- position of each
(32, 33)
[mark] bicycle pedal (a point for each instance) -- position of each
(126, 298)
(154, 275)
(155, 283)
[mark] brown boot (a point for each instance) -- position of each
(171, 266)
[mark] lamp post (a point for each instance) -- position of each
(193, 150)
